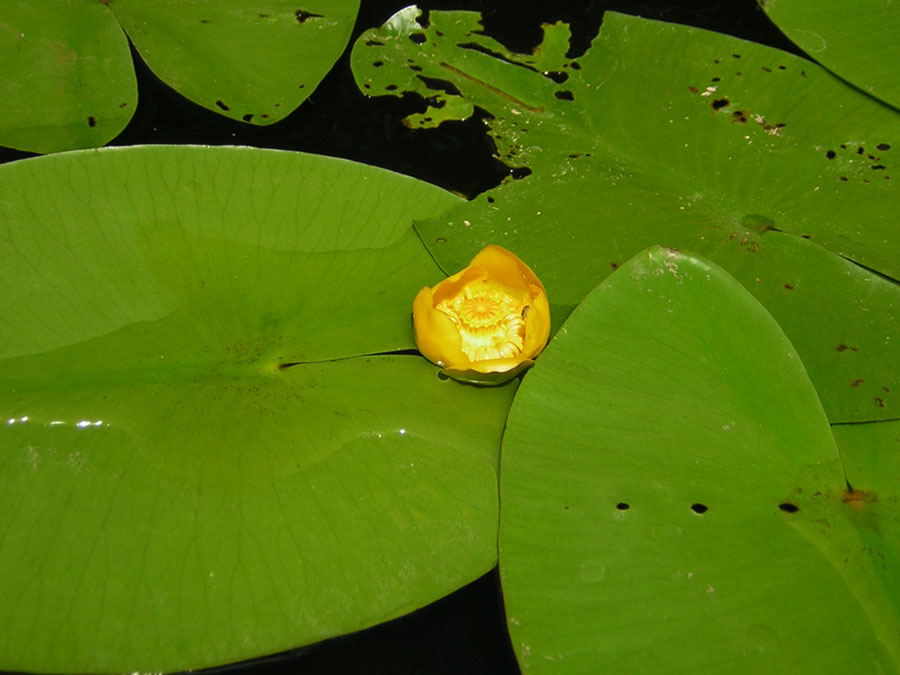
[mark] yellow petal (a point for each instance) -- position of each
(537, 325)
(453, 285)
(505, 267)
(436, 336)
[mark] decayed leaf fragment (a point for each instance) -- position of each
(486, 323)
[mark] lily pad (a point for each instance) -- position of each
(206, 453)
(857, 41)
(74, 83)
(671, 493)
(49, 51)
(665, 134)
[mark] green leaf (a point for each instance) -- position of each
(665, 134)
(672, 497)
(858, 41)
(254, 63)
(74, 84)
(177, 495)
(67, 78)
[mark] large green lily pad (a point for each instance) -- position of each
(176, 494)
(672, 497)
(665, 134)
(70, 82)
(858, 40)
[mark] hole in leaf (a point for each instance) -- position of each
(303, 16)
(699, 508)
(418, 38)
(436, 84)
(374, 43)
(831, 154)
(622, 506)
(564, 95)
(557, 76)
(377, 64)
(92, 121)
(883, 146)
(247, 117)
(788, 507)
(719, 103)
(520, 172)
(222, 105)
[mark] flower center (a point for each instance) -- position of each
(489, 321)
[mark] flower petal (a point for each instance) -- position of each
(537, 325)
(505, 268)
(436, 336)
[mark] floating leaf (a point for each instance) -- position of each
(74, 83)
(68, 80)
(857, 41)
(665, 134)
(176, 494)
(671, 494)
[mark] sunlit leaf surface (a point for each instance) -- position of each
(856, 40)
(175, 493)
(68, 79)
(672, 499)
(665, 134)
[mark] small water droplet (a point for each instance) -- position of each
(592, 571)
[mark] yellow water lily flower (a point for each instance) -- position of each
(490, 319)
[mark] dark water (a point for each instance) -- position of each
(466, 631)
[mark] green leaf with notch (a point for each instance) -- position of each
(208, 452)
(665, 134)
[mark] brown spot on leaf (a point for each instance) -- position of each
(858, 499)
(858, 381)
